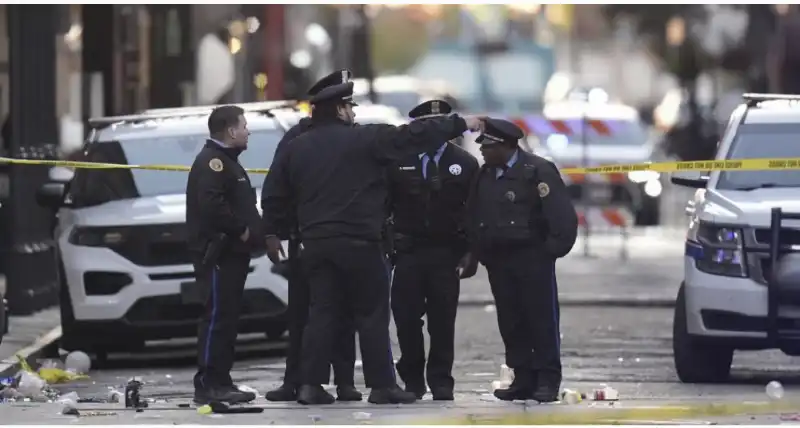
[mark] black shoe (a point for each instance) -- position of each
(545, 393)
(228, 395)
(391, 395)
(348, 393)
(284, 392)
(314, 394)
(418, 391)
(515, 391)
(442, 394)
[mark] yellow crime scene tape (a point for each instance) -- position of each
(618, 414)
(714, 165)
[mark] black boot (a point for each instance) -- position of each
(314, 394)
(442, 394)
(285, 392)
(348, 393)
(547, 387)
(518, 390)
(418, 391)
(228, 395)
(391, 395)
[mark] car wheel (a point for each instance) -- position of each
(696, 361)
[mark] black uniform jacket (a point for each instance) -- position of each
(220, 199)
(335, 173)
(529, 202)
(438, 216)
(286, 221)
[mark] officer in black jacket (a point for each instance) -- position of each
(522, 220)
(336, 174)
(224, 228)
(344, 356)
(428, 196)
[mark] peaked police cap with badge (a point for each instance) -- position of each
(500, 131)
(338, 77)
(432, 108)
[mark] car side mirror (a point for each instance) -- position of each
(691, 179)
(51, 195)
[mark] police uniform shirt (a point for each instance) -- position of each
(220, 199)
(525, 202)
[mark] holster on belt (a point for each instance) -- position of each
(214, 249)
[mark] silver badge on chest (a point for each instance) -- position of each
(455, 169)
(510, 195)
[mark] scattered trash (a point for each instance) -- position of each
(790, 417)
(362, 416)
(70, 410)
(99, 413)
(30, 384)
(115, 396)
(605, 393)
(169, 376)
(54, 375)
(11, 394)
(620, 359)
(71, 397)
(506, 373)
(774, 390)
(489, 309)
(570, 396)
(489, 397)
(221, 408)
(78, 362)
(315, 418)
(133, 399)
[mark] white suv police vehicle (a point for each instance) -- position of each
(743, 226)
(125, 269)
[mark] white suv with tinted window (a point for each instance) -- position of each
(744, 225)
(125, 269)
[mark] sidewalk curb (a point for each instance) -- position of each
(34, 350)
(578, 301)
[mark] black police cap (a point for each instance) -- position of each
(340, 94)
(500, 131)
(336, 78)
(432, 108)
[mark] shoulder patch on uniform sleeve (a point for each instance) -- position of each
(544, 189)
(215, 165)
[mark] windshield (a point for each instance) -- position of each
(96, 186)
(620, 133)
(759, 141)
(401, 100)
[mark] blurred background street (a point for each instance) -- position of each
(589, 85)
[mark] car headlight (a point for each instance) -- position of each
(643, 176)
(98, 236)
(723, 252)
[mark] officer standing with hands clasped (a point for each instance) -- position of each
(428, 198)
(344, 356)
(223, 229)
(335, 173)
(522, 221)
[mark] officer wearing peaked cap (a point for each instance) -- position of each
(336, 174)
(521, 221)
(428, 195)
(344, 355)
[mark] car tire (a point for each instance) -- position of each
(696, 361)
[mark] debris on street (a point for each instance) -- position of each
(774, 390)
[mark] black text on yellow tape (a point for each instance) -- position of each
(713, 165)
(100, 165)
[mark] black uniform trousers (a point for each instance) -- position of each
(523, 283)
(344, 356)
(348, 278)
(426, 283)
(216, 337)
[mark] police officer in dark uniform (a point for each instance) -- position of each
(428, 196)
(336, 174)
(522, 221)
(344, 357)
(223, 230)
